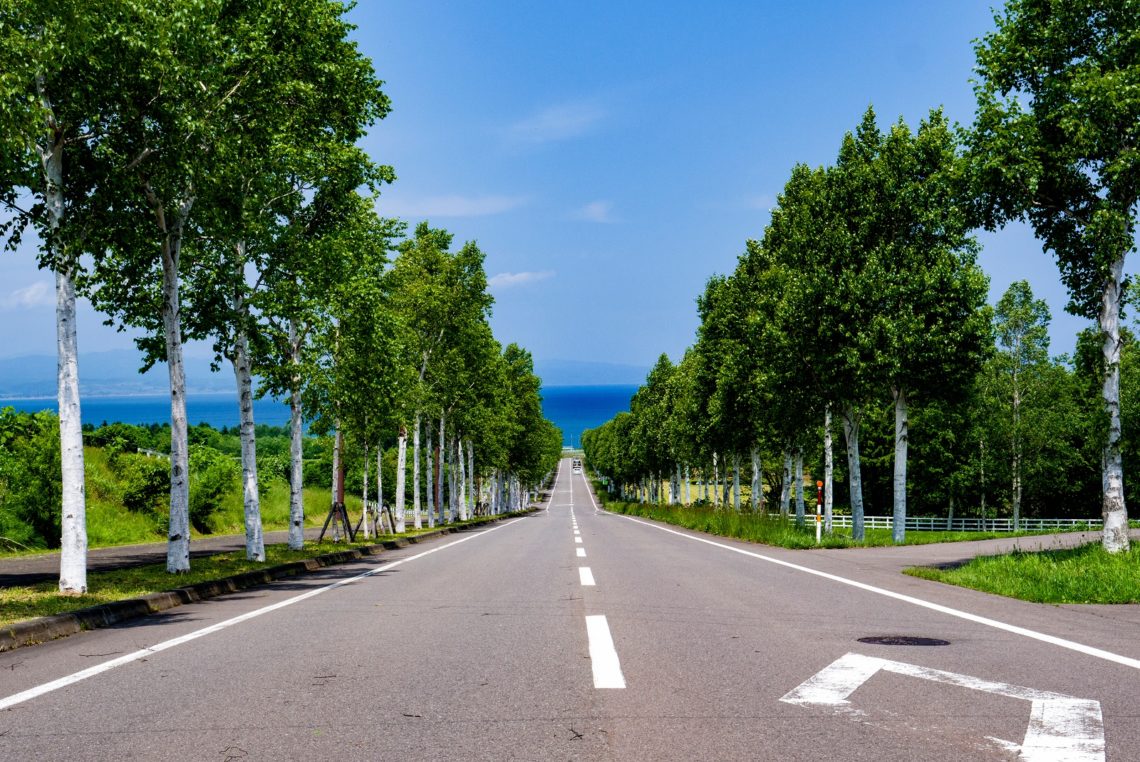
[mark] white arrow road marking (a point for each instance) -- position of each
(1060, 727)
(603, 655)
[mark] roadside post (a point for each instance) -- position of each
(818, 515)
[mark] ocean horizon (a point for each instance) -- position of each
(573, 409)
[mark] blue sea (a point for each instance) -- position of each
(577, 408)
(573, 409)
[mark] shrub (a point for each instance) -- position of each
(212, 475)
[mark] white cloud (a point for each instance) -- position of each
(763, 202)
(449, 206)
(509, 280)
(596, 211)
(559, 122)
(39, 294)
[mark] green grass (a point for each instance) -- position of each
(44, 599)
(1087, 574)
(772, 529)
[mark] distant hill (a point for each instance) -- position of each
(105, 374)
(584, 373)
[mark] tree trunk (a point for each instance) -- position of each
(401, 479)
(1016, 465)
(688, 486)
(982, 476)
(716, 481)
(755, 486)
(364, 494)
(380, 483)
(950, 515)
(736, 482)
(799, 482)
(430, 478)
(296, 449)
(440, 458)
(73, 521)
(471, 477)
(828, 472)
(251, 500)
(416, 522)
(178, 531)
(1114, 512)
(898, 531)
(786, 484)
(854, 471)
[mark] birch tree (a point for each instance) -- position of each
(56, 62)
(1022, 324)
(1054, 142)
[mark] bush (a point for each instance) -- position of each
(212, 475)
(146, 481)
(30, 489)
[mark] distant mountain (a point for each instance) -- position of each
(584, 373)
(105, 374)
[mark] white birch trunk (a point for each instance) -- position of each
(401, 478)
(799, 482)
(736, 481)
(296, 450)
(828, 471)
(757, 486)
(178, 532)
(898, 531)
(380, 482)
(462, 479)
(430, 478)
(688, 486)
(1016, 465)
(73, 520)
(854, 471)
(716, 482)
(786, 485)
(1114, 510)
(364, 492)
(416, 522)
(441, 461)
(251, 500)
(471, 477)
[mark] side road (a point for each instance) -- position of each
(38, 630)
(44, 567)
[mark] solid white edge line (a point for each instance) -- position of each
(1099, 653)
(586, 576)
(603, 656)
(63, 682)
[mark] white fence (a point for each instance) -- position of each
(932, 524)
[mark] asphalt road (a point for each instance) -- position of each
(491, 644)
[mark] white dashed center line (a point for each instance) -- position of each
(603, 657)
(586, 575)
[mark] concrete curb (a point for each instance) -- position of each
(42, 629)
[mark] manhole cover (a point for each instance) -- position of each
(903, 640)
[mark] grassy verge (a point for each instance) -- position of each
(771, 529)
(1087, 574)
(29, 602)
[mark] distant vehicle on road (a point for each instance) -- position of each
(576, 464)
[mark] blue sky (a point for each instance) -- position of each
(608, 157)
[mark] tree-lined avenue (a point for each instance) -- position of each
(483, 649)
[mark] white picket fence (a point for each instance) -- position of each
(934, 524)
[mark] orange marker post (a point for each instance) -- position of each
(818, 515)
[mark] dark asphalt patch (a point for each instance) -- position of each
(902, 640)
